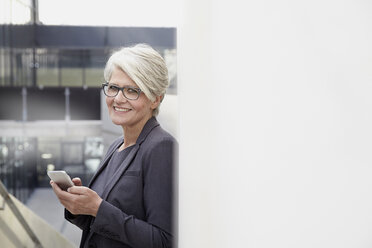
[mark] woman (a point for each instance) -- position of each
(129, 199)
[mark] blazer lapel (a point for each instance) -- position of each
(123, 167)
(151, 124)
(104, 163)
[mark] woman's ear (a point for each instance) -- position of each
(157, 102)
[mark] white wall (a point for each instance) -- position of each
(275, 123)
(169, 114)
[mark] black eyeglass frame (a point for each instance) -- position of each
(122, 90)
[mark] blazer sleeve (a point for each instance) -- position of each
(81, 221)
(156, 230)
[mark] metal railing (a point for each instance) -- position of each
(4, 193)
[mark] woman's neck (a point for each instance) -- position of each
(131, 134)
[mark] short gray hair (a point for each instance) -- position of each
(144, 66)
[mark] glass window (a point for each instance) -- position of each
(93, 153)
(71, 66)
(16, 67)
(95, 61)
(5, 68)
(47, 69)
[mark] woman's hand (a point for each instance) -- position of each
(78, 199)
(77, 181)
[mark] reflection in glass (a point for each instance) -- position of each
(47, 71)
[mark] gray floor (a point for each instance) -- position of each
(44, 203)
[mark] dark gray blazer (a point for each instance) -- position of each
(137, 206)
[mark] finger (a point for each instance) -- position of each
(77, 181)
(55, 186)
(78, 190)
(69, 199)
(61, 194)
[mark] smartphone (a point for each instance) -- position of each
(61, 178)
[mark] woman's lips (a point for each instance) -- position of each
(121, 109)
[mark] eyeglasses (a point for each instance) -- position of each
(131, 93)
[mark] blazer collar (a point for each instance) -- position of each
(150, 124)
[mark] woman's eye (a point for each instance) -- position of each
(132, 91)
(112, 87)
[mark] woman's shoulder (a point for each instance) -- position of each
(158, 148)
(159, 135)
(158, 140)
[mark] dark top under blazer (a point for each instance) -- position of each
(137, 206)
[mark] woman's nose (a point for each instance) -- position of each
(120, 97)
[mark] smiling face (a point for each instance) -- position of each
(128, 113)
